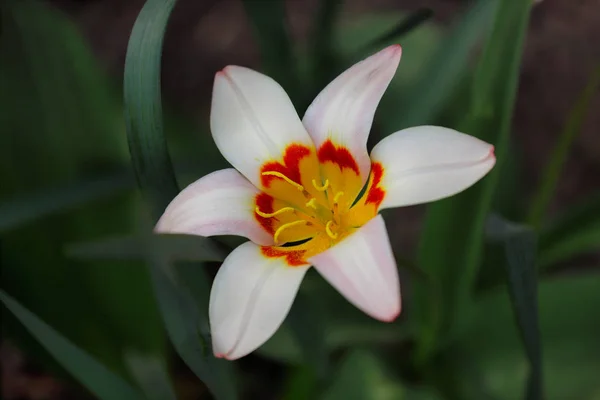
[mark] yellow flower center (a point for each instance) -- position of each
(312, 200)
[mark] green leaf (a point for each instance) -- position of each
(150, 373)
(451, 243)
(324, 58)
(306, 322)
(419, 103)
(488, 354)
(143, 105)
(269, 22)
(135, 247)
(187, 324)
(184, 317)
(553, 169)
(27, 208)
(521, 248)
(574, 232)
(62, 123)
(362, 376)
(93, 375)
(410, 22)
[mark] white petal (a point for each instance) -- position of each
(362, 268)
(428, 163)
(344, 110)
(250, 297)
(220, 203)
(252, 120)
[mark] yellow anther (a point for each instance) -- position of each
(331, 234)
(311, 203)
(337, 197)
(321, 188)
(269, 215)
(286, 226)
(285, 178)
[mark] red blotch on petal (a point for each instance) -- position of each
(290, 167)
(264, 202)
(293, 258)
(375, 194)
(338, 155)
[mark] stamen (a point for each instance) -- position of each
(286, 226)
(321, 188)
(269, 215)
(311, 203)
(285, 178)
(337, 197)
(328, 230)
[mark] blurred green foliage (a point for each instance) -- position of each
(480, 324)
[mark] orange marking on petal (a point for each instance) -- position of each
(291, 165)
(338, 155)
(293, 258)
(375, 194)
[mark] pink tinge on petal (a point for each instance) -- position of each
(250, 298)
(428, 163)
(252, 120)
(343, 112)
(362, 268)
(220, 203)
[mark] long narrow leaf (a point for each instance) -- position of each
(93, 375)
(574, 232)
(451, 243)
(186, 322)
(143, 107)
(552, 172)
(188, 329)
(520, 246)
(28, 208)
(135, 247)
(151, 375)
(269, 23)
(432, 91)
(412, 21)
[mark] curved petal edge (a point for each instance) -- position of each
(220, 203)
(362, 268)
(428, 163)
(251, 296)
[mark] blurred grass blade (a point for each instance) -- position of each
(324, 62)
(553, 169)
(93, 375)
(520, 246)
(143, 107)
(269, 22)
(62, 121)
(28, 208)
(151, 375)
(433, 90)
(305, 321)
(409, 23)
(575, 232)
(488, 353)
(135, 247)
(186, 325)
(452, 239)
(188, 328)
(362, 376)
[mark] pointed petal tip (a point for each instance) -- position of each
(391, 317)
(394, 48)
